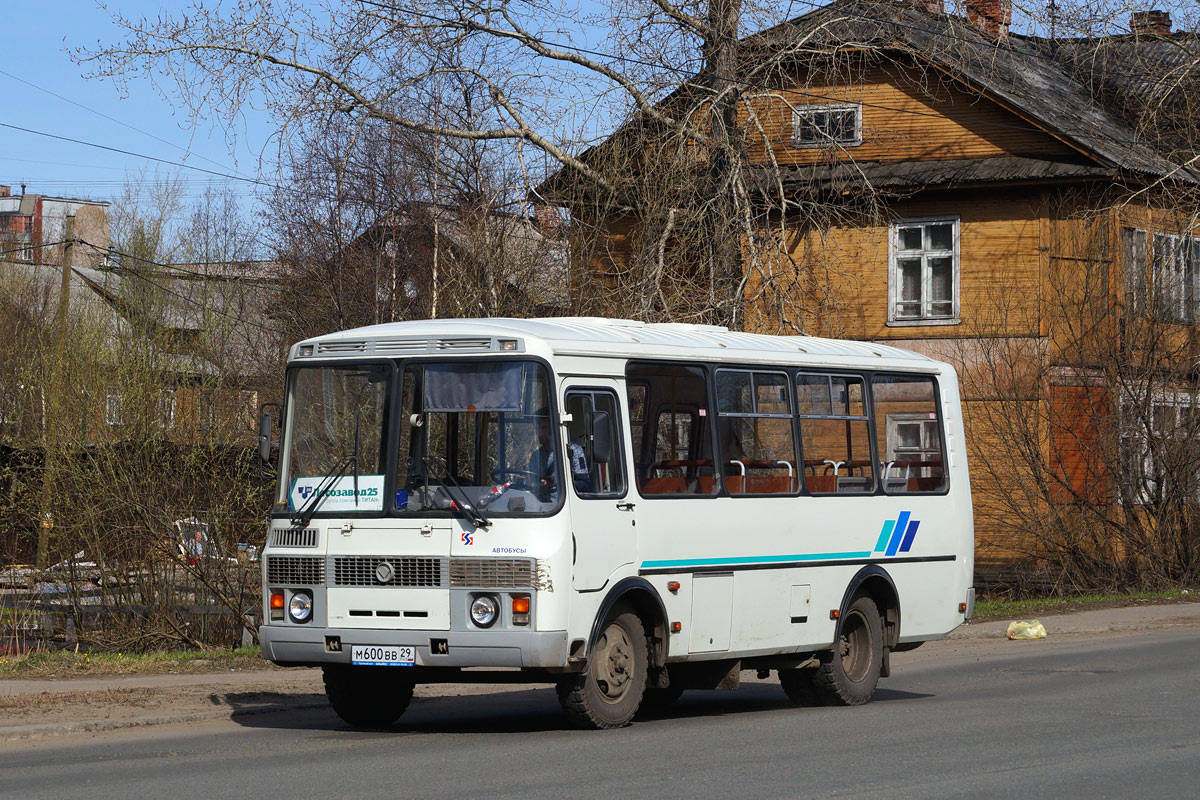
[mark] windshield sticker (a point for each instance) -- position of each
(339, 497)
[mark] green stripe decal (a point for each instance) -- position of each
(710, 562)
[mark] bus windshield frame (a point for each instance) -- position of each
(429, 437)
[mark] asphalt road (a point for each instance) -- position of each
(1095, 717)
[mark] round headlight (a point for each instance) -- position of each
(484, 611)
(300, 608)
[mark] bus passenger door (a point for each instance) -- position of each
(603, 516)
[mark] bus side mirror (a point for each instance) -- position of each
(266, 435)
(601, 437)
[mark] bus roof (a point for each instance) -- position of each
(598, 336)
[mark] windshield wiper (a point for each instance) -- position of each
(459, 497)
(305, 513)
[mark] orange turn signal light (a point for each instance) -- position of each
(672, 586)
(277, 601)
(835, 613)
(962, 608)
(520, 605)
(676, 627)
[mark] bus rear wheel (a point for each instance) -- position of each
(607, 694)
(367, 697)
(847, 674)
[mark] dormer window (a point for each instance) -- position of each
(827, 126)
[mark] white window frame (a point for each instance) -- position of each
(166, 409)
(114, 408)
(1136, 437)
(1177, 258)
(894, 256)
(799, 112)
(1135, 251)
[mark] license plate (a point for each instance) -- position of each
(370, 655)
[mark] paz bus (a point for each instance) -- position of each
(624, 510)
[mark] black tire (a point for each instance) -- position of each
(657, 701)
(608, 693)
(367, 697)
(798, 686)
(848, 674)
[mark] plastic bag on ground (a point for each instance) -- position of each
(1026, 629)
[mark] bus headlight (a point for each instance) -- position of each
(300, 608)
(484, 611)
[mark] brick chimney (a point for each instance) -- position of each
(932, 6)
(990, 17)
(548, 220)
(1150, 23)
(5, 191)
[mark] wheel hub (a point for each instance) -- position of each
(614, 657)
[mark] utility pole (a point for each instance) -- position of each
(53, 408)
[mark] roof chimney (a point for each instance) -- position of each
(1150, 23)
(932, 6)
(5, 191)
(990, 17)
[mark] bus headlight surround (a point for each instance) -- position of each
(484, 610)
(300, 607)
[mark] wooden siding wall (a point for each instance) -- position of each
(905, 116)
(1001, 262)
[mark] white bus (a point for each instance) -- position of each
(625, 510)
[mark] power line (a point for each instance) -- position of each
(111, 119)
(185, 298)
(137, 155)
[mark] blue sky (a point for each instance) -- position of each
(33, 50)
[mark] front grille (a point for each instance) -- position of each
(295, 570)
(493, 573)
(294, 537)
(361, 571)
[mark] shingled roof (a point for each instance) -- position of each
(1039, 79)
(1023, 74)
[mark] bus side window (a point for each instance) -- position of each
(594, 453)
(834, 434)
(758, 451)
(675, 457)
(908, 431)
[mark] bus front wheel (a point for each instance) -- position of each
(367, 697)
(607, 694)
(847, 674)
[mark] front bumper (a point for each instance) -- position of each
(297, 644)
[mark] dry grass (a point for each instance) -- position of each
(66, 663)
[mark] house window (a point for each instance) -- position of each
(114, 408)
(923, 279)
(822, 126)
(166, 409)
(1160, 447)
(1135, 256)
(1176, 277)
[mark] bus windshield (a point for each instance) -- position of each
(477, 433)
(335, 437)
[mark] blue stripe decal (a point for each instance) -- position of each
(909, 535)
(897, 533)
(884, 535)
(708, 562)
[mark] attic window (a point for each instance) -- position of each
(825, 126)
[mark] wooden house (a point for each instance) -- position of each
(1031, 218)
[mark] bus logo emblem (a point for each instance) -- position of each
(897, 534)
(385, 572)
